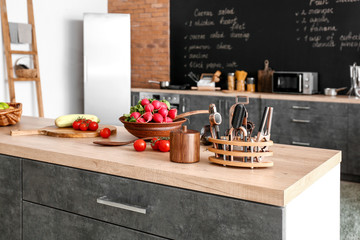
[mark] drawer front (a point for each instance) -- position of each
(170, 212)
(322, 128)
(303, 108)
(314, 131)
(10, 197)
(44, 223)
(317, 143)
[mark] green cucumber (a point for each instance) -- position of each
(67, 120)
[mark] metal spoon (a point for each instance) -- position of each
(115, 143)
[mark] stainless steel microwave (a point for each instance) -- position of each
(295, 82)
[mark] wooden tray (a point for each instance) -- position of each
(236, 158)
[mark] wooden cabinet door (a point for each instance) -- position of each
(10, 197)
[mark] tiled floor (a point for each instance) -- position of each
(350, 211)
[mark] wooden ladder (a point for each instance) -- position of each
(33, 52)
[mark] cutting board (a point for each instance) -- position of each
(54, 131)
(265, 78)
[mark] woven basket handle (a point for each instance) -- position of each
(17, 60)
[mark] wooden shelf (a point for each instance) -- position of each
(25, 79)
(23, 52)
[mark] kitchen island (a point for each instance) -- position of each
(117, 193)
(329, 122)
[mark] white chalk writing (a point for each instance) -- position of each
(200, 13)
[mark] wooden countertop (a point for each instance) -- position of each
(295, 168)
(294, 97)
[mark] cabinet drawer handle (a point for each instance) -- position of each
(183, 107)
(300, 143)
(300, 107)
(243, 97)
(219, 106)
(300, 121)
(105, 201)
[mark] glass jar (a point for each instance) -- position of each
(240, 80)
(250, 84)
(231, 81)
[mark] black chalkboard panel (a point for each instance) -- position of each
(314, 35)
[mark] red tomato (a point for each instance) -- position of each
(155, 143)
(164, 145)
(105, 132)
(88, 121)
(83, 126)
(139, 145)
(93, 126)
(76, 124)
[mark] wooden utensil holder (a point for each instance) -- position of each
(233, 153)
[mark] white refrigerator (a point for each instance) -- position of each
(107, 66)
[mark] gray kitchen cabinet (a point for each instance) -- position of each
(353, 162)
(10, 197)
(201, 102)
(44, 223)
(147, 207)
(223, 105)
(184, 104)
(134, 98)
(254, 112)
(311, 124)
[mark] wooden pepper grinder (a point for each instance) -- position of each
(184, 146)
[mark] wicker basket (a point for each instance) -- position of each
(23, 71)
(11, 116)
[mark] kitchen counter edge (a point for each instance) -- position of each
(292, 97)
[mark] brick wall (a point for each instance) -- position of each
(150, 39)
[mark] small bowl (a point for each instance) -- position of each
(142, 130)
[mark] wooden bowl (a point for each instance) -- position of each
(141, 130)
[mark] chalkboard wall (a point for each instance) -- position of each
(294, 35)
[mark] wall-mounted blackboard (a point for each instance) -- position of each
(305, 35)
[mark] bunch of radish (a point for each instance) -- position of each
(151, 110)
